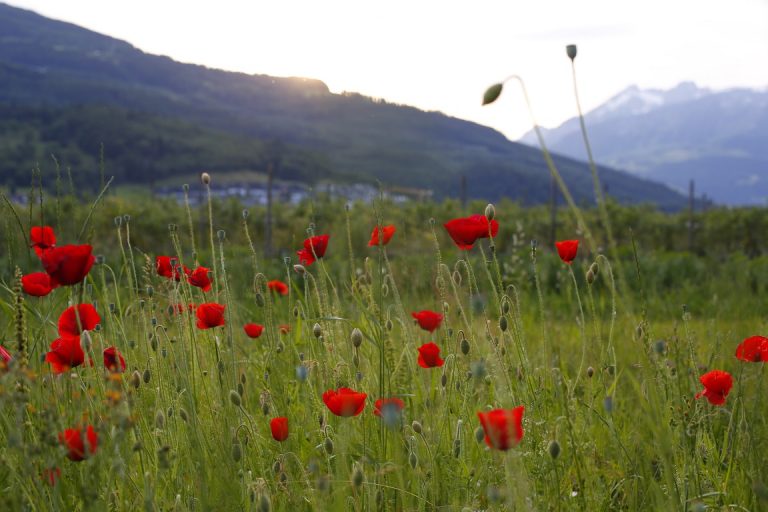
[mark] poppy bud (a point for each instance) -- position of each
(357, 477)
(503, 323)
(159, 419)
(413, 460)
(280, 347)
(146, 376)
(554, 449)
(118, 221)
(660, 347)
(237, 451)
(595, 268)
(205, 178)
(356, 337)
(234, 398)
(317, 331)
(221, 234)
(443, 379)
(245, 214)
(388, 325)
(492, 93)
(185, 187)
(183, 414)
(264, 504)
(416, 426)
(299, 269)
(259, 299)
(590, 276)
(590, 372)
(464, 346)
(571, 51)
(126, 218)
(490, 212)
(328, 445)
(479, 434)
(456, 278)
(135, 379)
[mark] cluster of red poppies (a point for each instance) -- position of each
(64, 266)
(718, 383)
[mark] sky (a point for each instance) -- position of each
(442, 54)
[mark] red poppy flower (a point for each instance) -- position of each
(503, 427)
(279, 427)
(753, 349)
(68, 264)
(284, 328)
(37, 284)
(74, 439)
(429, 356)
(5, 358)
(168, 267)
(42, 238)
(384, 404)
(344, 402)
(51, 475)
(314, 248)
(199, 277)
(73, 321)
(567, 250)
(65, 353)
(210, 315)
(717, 385)
(253, 330)
(278, 286)
(466, 230)
(428, 320)
(113, 360)
(388, 232)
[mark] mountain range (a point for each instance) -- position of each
(66, 90)
(715, 138)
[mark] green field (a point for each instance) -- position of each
(606, 370)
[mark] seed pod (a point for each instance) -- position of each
(205, 178)
(317, 331)
(490, 212)
(146, 376)
(554, 449)
(356, 337)
(234, 398)
(416, 426)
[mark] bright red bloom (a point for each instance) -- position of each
(279, 427)
(253, 330)
(466, 230)
(68, 264)
(567, 250)
(210, 315)
(42, 238)
(5, 358)
(388, 232)
(503, 427)
(73, 321)
(344, 402)
(314, 248)
(73, 439)
(168, 267)
(37, 284)
(65, 353)
(428, 320)
(278, 286)
(199, 277)
(382, 404)
(51, 475)
(429, 356)
(753, 349)
(717, 385)
(113, 360)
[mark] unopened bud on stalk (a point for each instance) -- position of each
(503, 323)
(234, 397)
(245, 214)
(147, 376)
(357, 477)
(590, 372)
(595, 268)
(388, 324)
(205, 178)
(416, 426)
(356, 337)
(135, 379)
(479, 434)
(590, 276)
(571, 51)
(159, 419)
(413, 460)
(492, 93)
(554, 449)
(464, 346)
(185, 187)
(328, 446)
(259, 299)
(299, 269)
(237, 451)
(317, 331)
(221, 234)
(490, 212)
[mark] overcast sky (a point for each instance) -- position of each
(442, 54)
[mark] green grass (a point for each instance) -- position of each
(190, 430)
